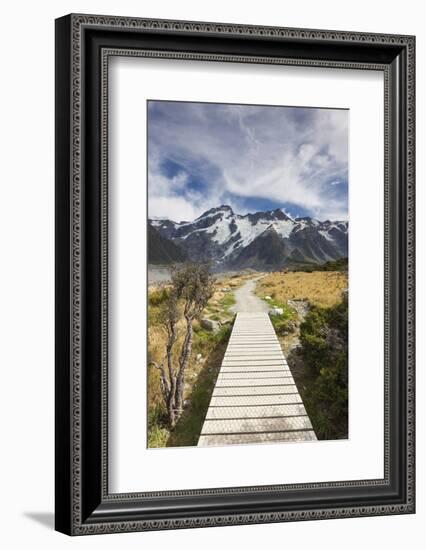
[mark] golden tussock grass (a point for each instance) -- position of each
(320, 288)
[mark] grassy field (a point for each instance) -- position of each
(207, 353)
(319, 288)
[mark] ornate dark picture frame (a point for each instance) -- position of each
(84, 44)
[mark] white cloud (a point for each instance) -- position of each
(173, 208)
(286, 155)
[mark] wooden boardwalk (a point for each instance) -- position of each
(255, 399)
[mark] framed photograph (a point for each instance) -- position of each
(234, 274)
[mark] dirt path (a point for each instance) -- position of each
(246, 301)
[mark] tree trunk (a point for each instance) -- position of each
(171, 399)
(172, 413)
(183, 363)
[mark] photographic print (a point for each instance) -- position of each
(247, 274)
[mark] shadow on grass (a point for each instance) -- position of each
(188, 429)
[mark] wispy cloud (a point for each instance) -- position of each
(202, 155)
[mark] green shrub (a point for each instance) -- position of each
(333, 265)
(157, 297)
(203, 338)
(324, 340)
(282, 325)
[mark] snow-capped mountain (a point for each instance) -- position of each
(263, 240)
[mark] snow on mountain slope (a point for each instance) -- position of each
(228, 239)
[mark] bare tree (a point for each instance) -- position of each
(191, 289)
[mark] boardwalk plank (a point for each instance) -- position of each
(245, 353)
(260, 411)
(253, 362)
(253, 382)
(255, 390)
(255, 398)
(254, 368)
(253, 425)
(250, 375)
(244, 439)
(253, 359)
(254, 347)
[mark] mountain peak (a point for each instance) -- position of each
(268, 215)
(216, 210)
(280, 215)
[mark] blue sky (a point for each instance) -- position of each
(253, 158)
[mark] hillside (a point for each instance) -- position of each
(162, 250)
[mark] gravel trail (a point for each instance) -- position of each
(247, 301)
